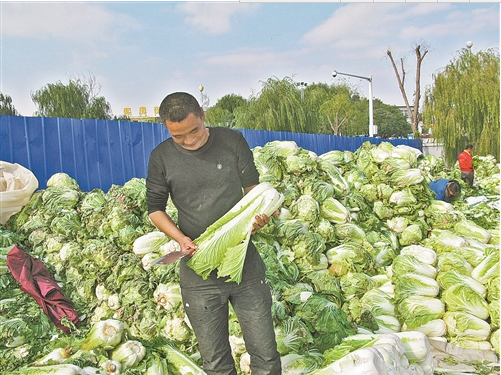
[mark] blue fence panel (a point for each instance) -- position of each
(101, 153)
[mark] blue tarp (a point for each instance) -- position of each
(101, 153)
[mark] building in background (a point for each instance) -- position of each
(142, 115)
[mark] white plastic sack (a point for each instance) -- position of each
(17, 184)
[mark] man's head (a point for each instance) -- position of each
(177, 106)
(453, 189)
(184, 118)
(469, 147)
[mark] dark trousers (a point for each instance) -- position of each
(207, 308)
(467, 177)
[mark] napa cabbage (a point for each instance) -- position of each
(404, 264)
(223, 245)
(468, 228)
(411, 234)
(414, 284)
(334, 211)
(414, 311)
(305, 208)
(465, 299)
(452, 277)
(453, 261)
(424, 254)
(463, 324)
(444, 240)
(487, 269)
(407, 177)
(62, 180)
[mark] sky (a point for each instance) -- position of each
(139, 52)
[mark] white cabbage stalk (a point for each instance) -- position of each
(114, 302)
(417, 346)
(387, 324)
(367, 361)
(149, 242)
(59, 369)
(105, 334)
(170, 247)
(111, 367)
(168, 296)
(100, 312)
(129, 353)
(245, 363)
(148, 258)
(58, 355)
(237, 344)
(91, 371)
(426, 365)
(223, 245)
(102, 293)
(176, 329)
(433, 328)
(390, 356)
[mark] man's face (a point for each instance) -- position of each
(190, 133)
(449, 192)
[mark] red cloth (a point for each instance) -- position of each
(36, 280)
(465, 163)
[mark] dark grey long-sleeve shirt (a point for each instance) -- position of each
(204, 184)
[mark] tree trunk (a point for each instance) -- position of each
(413, 112)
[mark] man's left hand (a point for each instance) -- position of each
(261, 220)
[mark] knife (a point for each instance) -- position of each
(172, 257)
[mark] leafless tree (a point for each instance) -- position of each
(420, 50)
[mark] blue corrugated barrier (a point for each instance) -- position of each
(101, 153)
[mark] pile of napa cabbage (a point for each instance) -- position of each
(360, 245)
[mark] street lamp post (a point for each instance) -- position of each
(371, 106)
(302, 86)
(204, 99)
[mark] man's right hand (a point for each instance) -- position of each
(187, 246)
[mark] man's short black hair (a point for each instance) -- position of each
(454, 187)
(177, 106)
(468, 146)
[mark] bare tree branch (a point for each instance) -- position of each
(413, 112)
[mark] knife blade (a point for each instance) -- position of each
(171, 257)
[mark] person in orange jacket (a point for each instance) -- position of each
(466, 166)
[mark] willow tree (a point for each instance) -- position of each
(338, 110)
(77, 99)
(277, 107)
(462, 106)
(6, 106)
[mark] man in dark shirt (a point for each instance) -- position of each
(206, 171)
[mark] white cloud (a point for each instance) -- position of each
(213, 18)
(457, 22)
(353, 23)
(63, 21)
